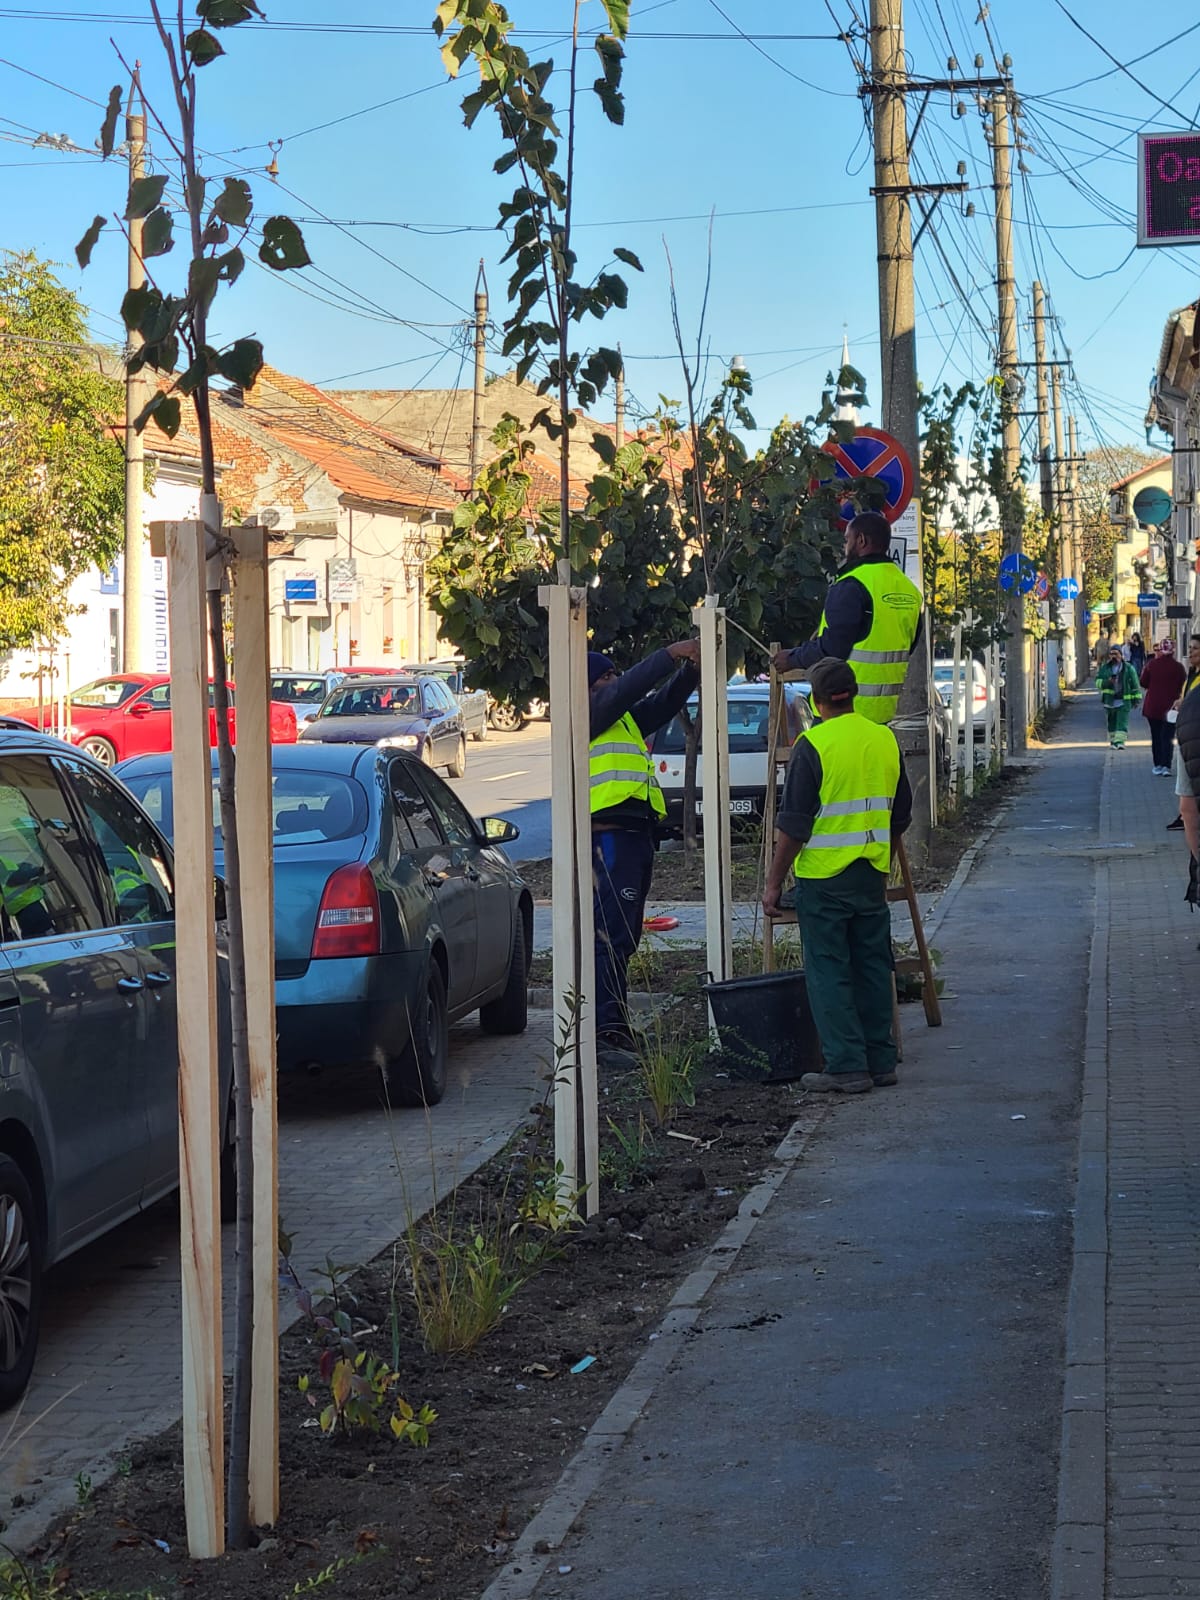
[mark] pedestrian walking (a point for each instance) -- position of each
(1187, 774)
(845, 799)
(1162, 678)
(872, 619)
(1119, 692)
(1137, 653)
(626, 808)
(1184, 787)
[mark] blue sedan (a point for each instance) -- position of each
(396, 912)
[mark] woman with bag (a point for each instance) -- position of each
(1119, 693)
(1162, 678)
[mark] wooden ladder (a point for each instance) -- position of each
(779, 749)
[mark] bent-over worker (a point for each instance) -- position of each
(845, 799)
(627, 805)
(872, 619)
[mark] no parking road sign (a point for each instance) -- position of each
(873, 454)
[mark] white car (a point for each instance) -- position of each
(943, 682)
(749, 725)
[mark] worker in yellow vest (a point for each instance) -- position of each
(872, 619)
(845, 799)
(627, 806)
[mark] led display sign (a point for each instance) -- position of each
(1168, 188)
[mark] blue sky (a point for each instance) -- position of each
(775, 146)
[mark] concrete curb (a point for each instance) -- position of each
(1078, 1558)
(535, 1550)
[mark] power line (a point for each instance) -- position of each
(1121, 67)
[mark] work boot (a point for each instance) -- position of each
(1178, 823)
(884, 1080)
(837, 1082)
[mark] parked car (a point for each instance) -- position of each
(305, 692)
(943, 682)
(129, 714)
(749, 725)
(506, 718)
(89, 1128)
(396, 912)
(472, 702)
(399, 712)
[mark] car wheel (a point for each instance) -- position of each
(20, 1282)
(458, 767)
(509, 1013)
(427, 752)
(506, 719)
(417, 1075)
(99, 749)
(481, 732)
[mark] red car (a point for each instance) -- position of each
(129, 714)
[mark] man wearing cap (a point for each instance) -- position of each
(626, 805)
(872, 619)
(845, 800)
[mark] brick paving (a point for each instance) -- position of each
(350, 1173)
(1152, 1301)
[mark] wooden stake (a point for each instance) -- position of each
(200, 1121)
(250, 628)
(714, 724)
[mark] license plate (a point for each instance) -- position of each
(743, 807)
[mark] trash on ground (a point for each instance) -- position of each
(582, 1366)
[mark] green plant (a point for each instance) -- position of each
(667, 1070)
(329, 1573)
(911, 985)
(630, 1155)
(83, 1488)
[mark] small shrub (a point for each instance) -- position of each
(667, 1069)
(631, 1154)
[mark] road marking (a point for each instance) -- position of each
(499, 777)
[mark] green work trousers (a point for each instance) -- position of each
(846, 930)
(1118, 723)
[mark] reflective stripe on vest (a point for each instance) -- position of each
(620, 768)
(895, 615)
(860, 769)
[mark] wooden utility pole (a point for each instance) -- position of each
(1012, 499)
(478, 431)
(898, 357)
(620, 417)
(135, 635)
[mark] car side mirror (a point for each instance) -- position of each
(139, 709)
(497, 831)
(220, 909)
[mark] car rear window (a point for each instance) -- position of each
(749, 725)
(293, 690)
(105, 692)
(306, 807)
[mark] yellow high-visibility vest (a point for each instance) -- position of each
(860, 768)
(881, 659)
(620, 768)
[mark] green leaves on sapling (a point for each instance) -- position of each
(242, 362)
(234, 203)
(157, 233)
(108, 128)
(203, 47)
(283, 245)
(144, 195)
(226, 13)
(83, 250)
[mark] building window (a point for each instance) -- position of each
(114, 640)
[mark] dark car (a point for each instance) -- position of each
(396, 912)
(473, 703)
(398, 712)
(89, 1124)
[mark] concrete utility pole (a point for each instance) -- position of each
(478, 441)
(898, 357)
(135, 640)
(1046, 468)
(1079, 604)
(620, 419)
(1012, 500)
(1067, 559)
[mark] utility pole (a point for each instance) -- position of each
(1066, 519)
(1012, 499)
(477, 427)
(135, 639)
(1046, 470)
(620, 419)
(1079, 604)
(898, 359)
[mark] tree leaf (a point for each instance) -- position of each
(234, 203)
(617, 12)
(242, 362)
(164, 409)
(611, 99)
(83, 250)
(157, 233)
(203, 47)
(628, 257)
(283, 245)
(108, 128)
(226, 13)
(195, 375)
(144, 195)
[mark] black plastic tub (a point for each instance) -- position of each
(765, 1025)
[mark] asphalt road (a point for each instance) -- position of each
(508, 776)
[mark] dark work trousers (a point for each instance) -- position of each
(846, 933)
(622, 866)
(1162, 741)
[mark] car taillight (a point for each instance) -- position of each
(348, 921)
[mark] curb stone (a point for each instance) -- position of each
(534, 1551)
(1078, 1557)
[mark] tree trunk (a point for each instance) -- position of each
(691, 752)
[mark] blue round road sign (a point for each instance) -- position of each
(1017, 572)
(873, 454)
(1068, 588)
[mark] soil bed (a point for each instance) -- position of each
(390, 1519)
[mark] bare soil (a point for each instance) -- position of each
(366, 1516)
